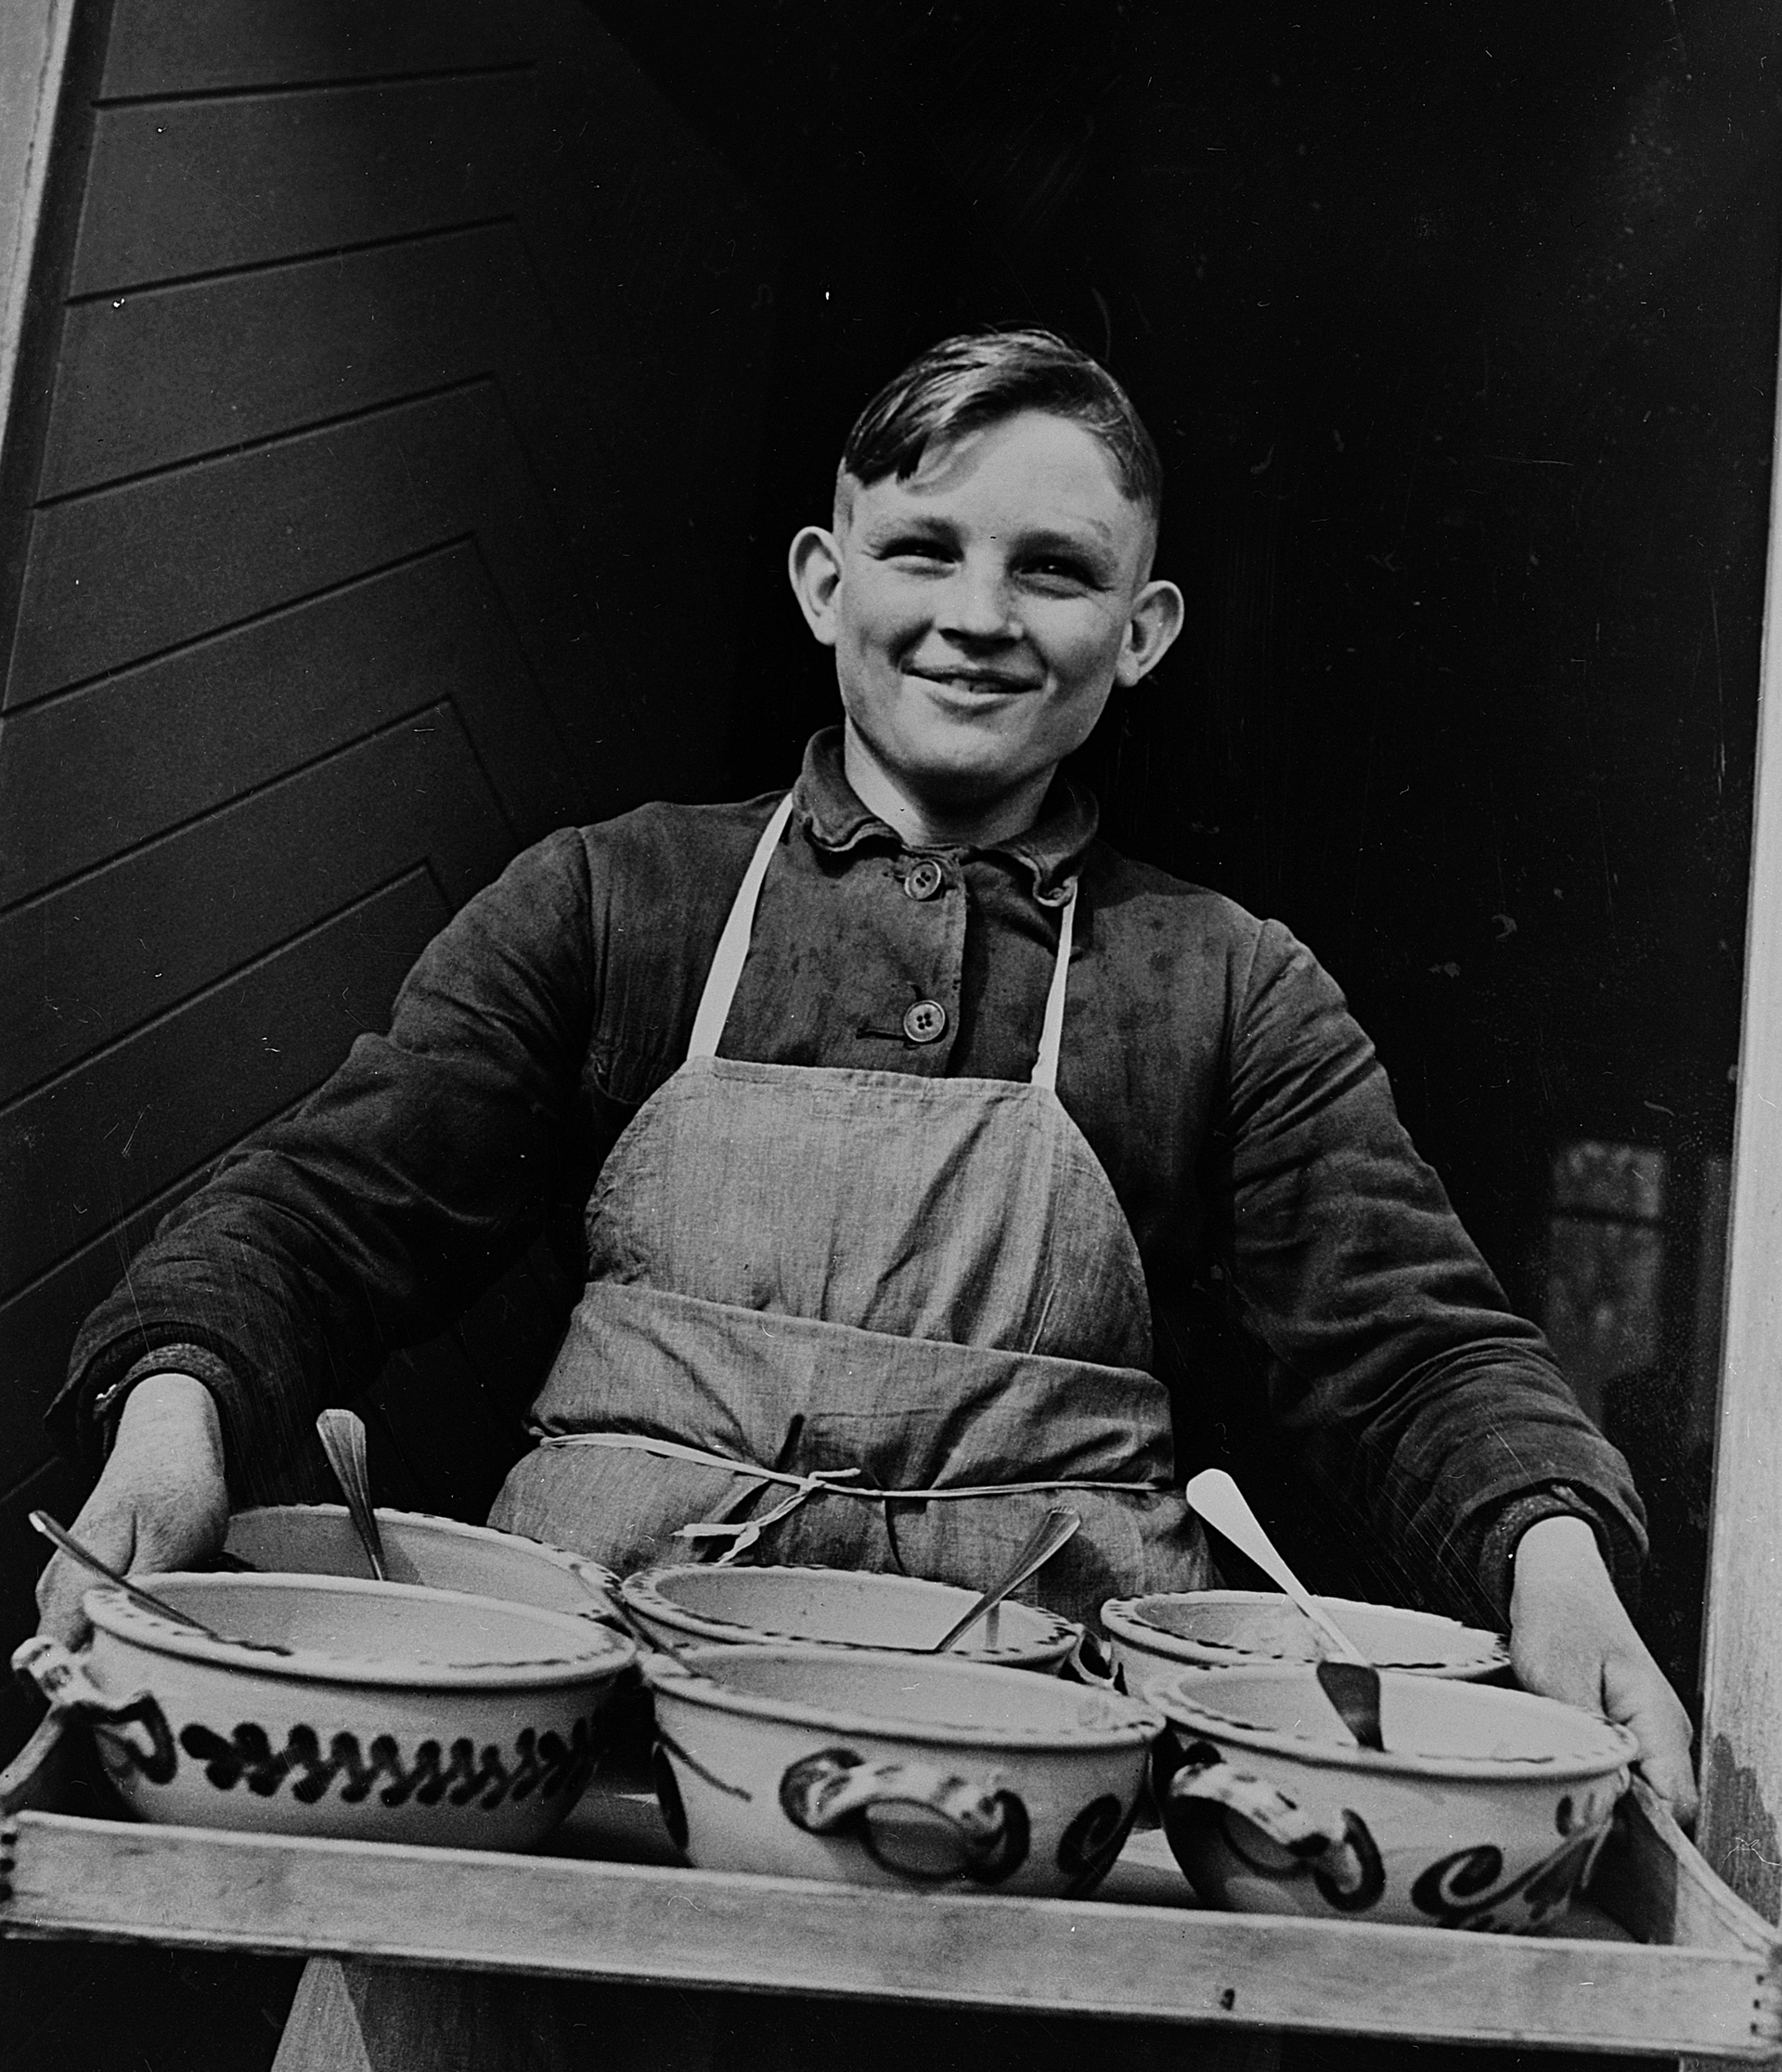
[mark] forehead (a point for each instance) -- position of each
(1028, 473)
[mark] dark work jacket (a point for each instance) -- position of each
(1241, 1114)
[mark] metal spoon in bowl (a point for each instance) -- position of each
(64, 1541)
(342, 1437)
(1347, 1677)
(1044, 1541)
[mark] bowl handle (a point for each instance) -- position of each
(837, 1791)
(1091, 1660)
(72, 1694)
(59, 1677)
(1334, 1845)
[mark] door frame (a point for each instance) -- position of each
(1741, 1738)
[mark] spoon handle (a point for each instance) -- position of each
(342, 1437)
(65, 1542)
(1223, 1504)
(1044, 1541)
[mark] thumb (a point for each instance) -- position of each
(1636, 1693)
(63, 1586)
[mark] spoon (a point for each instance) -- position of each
(1042, 1543)
(1349, 1680)
(342, 1437)
(59, 1538)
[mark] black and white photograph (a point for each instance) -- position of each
(890, 1036)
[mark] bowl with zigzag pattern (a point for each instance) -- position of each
(365, 1711)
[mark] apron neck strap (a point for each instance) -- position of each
(733, 944)
(732, 953)
(1052, 1032)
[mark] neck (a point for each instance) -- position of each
(925, 822)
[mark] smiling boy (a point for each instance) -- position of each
(897, 1105)
(982, 609)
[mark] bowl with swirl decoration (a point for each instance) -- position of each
(375, 1712)
(895, 1769)
(1485, 1809)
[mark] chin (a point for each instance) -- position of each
(968, 773)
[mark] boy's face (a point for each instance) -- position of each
(982, 611)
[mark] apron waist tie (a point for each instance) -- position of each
(818, 1481)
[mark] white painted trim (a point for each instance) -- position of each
(1742, 1663)
(34, 55)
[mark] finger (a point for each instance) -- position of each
(61, 1591)
(1665, 1765)
(1665, 1761)
(1676, 1786)
(63, 1586)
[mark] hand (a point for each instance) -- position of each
(1571, 1638)
(162, 1501)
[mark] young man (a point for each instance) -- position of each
(897, 1107)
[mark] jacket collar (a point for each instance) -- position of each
(1050, 850)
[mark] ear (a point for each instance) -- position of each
(1157, 614)
(814, 566)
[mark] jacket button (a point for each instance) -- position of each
(925, 879)
(925, 1021)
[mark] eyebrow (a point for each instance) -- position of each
(1095, 541)
(1094, 544)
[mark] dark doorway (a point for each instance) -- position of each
(1458, 332)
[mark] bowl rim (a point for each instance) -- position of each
(590, 1651)
(1617, 1746)
(642, 1592)
(1124, 1617)
(1133, 1723)
(583, 1566)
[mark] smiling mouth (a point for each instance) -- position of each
(982, 681)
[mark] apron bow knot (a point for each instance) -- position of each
(743, 1533)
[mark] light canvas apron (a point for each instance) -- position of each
(894, 1319)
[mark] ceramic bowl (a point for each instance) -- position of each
(840, 1608)
(372, 1712)
(887, 1769)
(1221, 1629)
(1485, 1811)
(318, 1539)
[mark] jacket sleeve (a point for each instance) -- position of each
(378, 1211)
(1414, 1394)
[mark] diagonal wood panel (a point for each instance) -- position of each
(95, 959)
(171, 374)
(89, 775)
(184, 187)
(202, 46)
(400, 405)
(167, 558)
(86, 1149)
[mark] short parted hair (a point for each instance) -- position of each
(981, 378)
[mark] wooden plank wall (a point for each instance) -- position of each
(391, 395)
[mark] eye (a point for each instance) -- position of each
(1059, 572)
(917, 548)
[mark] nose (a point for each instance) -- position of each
(976, 605)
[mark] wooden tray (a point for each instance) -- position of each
(1661, 1960)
